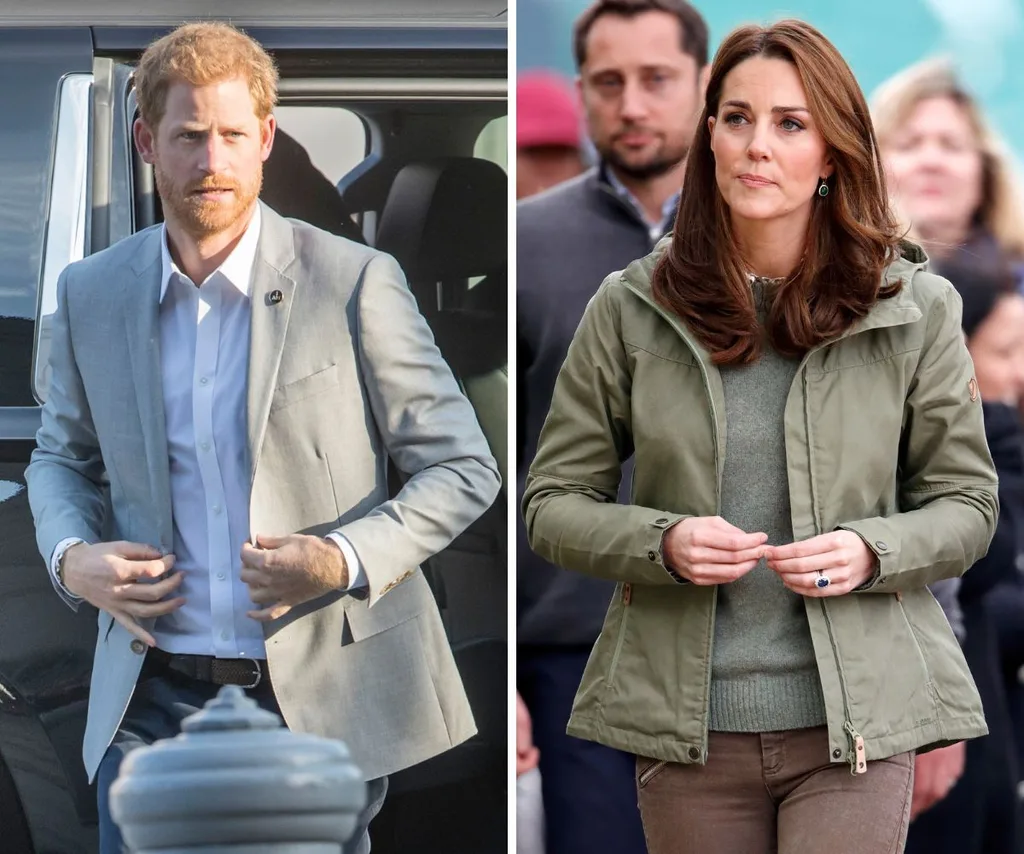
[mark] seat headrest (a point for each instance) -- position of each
(447, 218)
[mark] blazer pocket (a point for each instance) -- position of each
(402, 603)
(307, 386)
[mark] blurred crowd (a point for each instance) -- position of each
(600, 162)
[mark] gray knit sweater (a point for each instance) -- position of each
(763, 673)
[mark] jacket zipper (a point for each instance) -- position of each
(855, 754)
(673, 322)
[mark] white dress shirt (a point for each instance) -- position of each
(204, 357)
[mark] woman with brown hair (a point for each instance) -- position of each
(809, 454)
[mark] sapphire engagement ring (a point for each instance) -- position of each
(822, 581)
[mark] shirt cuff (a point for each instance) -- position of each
(55, 559)
(356, 576)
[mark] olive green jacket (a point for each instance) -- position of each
(884, 437)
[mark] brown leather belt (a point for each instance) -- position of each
(244, 672)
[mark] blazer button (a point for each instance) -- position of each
(274, 297)
(652, 556)
(693, 753)
(138, 647)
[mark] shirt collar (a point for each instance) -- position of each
(668, 210)
(236, 268)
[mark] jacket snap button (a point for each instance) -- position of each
(651, 556)
(661, 521)
(694, 753)
(837, 754)
(138, 647)
(880, 545)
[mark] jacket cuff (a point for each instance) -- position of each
(878, 537)
(657, 529)
(70, 599)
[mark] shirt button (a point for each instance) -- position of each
(216, 510)
(220, 576)
(223, 635)
(203, 380)
(205, 446)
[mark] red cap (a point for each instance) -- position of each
(547, 112)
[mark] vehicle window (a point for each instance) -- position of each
(67, 220)
(335, 138)
(492, 144)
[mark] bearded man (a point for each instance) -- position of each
(210, 472)
(642, 72)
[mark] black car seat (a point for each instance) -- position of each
(294, 187)
(445, 222)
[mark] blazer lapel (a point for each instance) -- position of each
(271, 305)
(141, 303)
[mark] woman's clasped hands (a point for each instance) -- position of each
(708, 550)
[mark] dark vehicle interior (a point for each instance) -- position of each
(419, 174)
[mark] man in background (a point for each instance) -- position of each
(642, 73)
(548, 133)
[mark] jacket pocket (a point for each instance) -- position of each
(307, 386)
(648, 769)
(619, 640)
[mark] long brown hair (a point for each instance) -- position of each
(852, 235)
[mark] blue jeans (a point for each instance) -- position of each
(156, 711)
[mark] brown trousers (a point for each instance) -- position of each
(774, 793)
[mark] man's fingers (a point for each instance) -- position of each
(252, 556)
(267, 542)
(252, 576)
(152, 609)
(129, 570)
(267, 614)
(134, 628)
(262, 596)
(134, 551)
(149, 592)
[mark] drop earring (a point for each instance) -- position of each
(822, 188)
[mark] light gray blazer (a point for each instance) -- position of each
(343, 371)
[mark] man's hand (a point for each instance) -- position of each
(842, 556)
(283, 572)
(527, 754)
(935, 773)
(118, 578)
(708, 550)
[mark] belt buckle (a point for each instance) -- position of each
(258, 675)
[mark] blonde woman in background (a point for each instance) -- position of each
(951, 177)
(951, 180)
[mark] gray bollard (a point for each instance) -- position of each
(236, 782)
